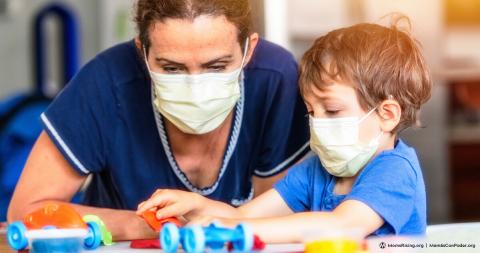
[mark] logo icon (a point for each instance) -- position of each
(382, 245)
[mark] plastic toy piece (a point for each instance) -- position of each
(52, 214)
(196, 238)
(156, 224)
(16, 235)
(107, 239)
(332, 245)
(145, 244)
(57, 225)
(258, 244)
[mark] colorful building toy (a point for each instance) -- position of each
(156, 224)
(194, 238)
(57, 226)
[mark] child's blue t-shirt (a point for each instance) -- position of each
(391, 184)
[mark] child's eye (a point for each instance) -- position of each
(309, 113)
(332, 112)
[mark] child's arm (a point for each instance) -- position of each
(293, 228)
(170, 203)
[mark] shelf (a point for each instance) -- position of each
(464, 133)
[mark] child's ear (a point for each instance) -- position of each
(389, 113)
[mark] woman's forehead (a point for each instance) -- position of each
(204, 33)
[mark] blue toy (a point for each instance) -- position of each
(53, 238)
(195, 239)
(54, 224)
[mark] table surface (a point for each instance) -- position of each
(446, 233)
(4, 248)
(125, 247)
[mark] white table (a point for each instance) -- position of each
(125, 247)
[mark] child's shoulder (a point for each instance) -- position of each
(402, 151)
(400, 160)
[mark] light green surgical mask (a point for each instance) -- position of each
(336, 142)
(197, 104)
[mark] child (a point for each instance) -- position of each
(362, 85)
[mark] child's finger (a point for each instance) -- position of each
(202, 221)
(140, 207)
(158, 201)
(170, 211)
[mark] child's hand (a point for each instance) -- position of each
(171, 203)
(206, 220)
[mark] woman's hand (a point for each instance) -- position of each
(172, 203)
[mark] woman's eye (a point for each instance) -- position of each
(217, 68)
(171, 70)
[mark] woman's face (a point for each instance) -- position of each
(205, 45)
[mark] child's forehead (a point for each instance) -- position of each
(334, 90)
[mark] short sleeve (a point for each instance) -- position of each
(77, 121)
(295, 188)
(285, 139)
(388, 186)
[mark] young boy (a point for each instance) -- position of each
(362, 85)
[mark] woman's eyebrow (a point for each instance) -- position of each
(227, 57)
(169, 61)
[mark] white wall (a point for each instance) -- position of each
(15, 48)
(116, 22)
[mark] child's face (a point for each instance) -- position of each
(338, 100)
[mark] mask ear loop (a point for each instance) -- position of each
(368, 114)
(245, 52)
(390, 97)
(146, 60)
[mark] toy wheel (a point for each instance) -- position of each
(216, 245)
(194, 241)
(16, 236)
(216, 224)
(94, 236)
(169, 237)
(245, 243)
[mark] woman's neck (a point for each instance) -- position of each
(190, 144)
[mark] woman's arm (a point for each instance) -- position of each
(47, 176)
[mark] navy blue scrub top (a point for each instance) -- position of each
(104, 124)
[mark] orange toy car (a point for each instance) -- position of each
(53, 221)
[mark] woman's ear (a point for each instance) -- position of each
(138, 44)
(252, 44)
(389, 113)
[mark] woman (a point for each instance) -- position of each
(196, 102)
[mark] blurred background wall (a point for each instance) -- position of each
(448, 30)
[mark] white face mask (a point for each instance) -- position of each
(336, 142)
(196, 104)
